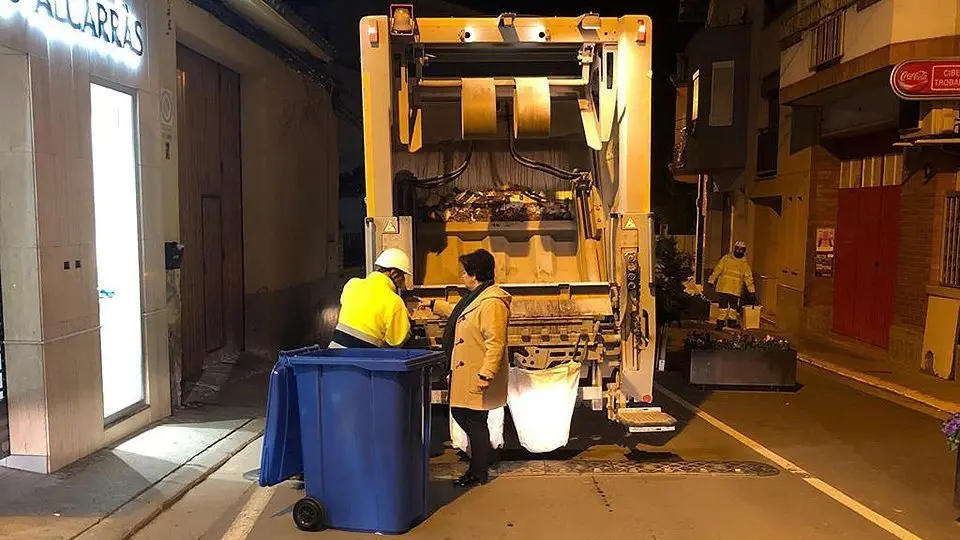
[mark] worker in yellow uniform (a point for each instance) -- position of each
(372, 314)
(731, 274)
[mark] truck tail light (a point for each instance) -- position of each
(642, 33)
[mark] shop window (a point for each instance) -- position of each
(950, 251)
(116, 216)
(721, 93)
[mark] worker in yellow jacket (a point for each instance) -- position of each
(731, 274)
(372, 314)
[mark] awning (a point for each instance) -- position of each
(928, 142)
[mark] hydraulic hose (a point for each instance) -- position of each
(441, 180)
(538, 165)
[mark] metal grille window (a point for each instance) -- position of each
(810, 13)
(950, 253)
(827, 44)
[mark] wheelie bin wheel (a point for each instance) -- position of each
(308, 515)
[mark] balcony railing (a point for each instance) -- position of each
(768, 145)
(827, 43)
(810, 15)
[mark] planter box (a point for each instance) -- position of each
(743, 368)
(956, 485)
(697, 309)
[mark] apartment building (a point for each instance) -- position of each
(855, 234)
(728, 128)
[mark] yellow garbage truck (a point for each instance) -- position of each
(529, 137)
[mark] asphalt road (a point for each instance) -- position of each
(849, 464)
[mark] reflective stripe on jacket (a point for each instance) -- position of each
(371, 314)
(731, 274)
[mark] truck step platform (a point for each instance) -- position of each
(646, 419)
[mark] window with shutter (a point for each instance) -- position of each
(721, 93)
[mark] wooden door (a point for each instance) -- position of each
(889, 241)
(866, 263)
(211, 281)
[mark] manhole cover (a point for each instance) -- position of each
(613, 468)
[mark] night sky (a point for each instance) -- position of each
(671, 201)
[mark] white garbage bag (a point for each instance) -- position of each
(494, 424)
(541, 403)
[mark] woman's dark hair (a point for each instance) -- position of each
(479, 265)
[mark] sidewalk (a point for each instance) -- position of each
(116, 491)
(900, 380)
(112, 492)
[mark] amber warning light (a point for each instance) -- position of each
(401, 19)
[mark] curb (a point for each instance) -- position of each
(138, 512)
(876, 382)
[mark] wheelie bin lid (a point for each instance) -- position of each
(397, 360)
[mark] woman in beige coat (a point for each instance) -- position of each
(475, 341)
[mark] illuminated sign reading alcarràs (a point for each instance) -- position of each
(109, 21)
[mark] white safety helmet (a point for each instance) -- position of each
(394, 258)
(740, 245)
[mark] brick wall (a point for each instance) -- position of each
(921, 230)
(824, 186)
(916, 249)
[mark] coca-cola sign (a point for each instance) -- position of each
(927, 79)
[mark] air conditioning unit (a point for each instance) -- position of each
(938, 118)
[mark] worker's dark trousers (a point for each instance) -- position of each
(474, 424)
(729, 306)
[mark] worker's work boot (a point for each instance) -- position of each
(469, 480)
(494, 459)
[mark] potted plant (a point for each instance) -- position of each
(951, 429)
(740, 359)
(673, 269)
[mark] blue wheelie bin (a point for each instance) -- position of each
(364, 422)
(282, 456)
